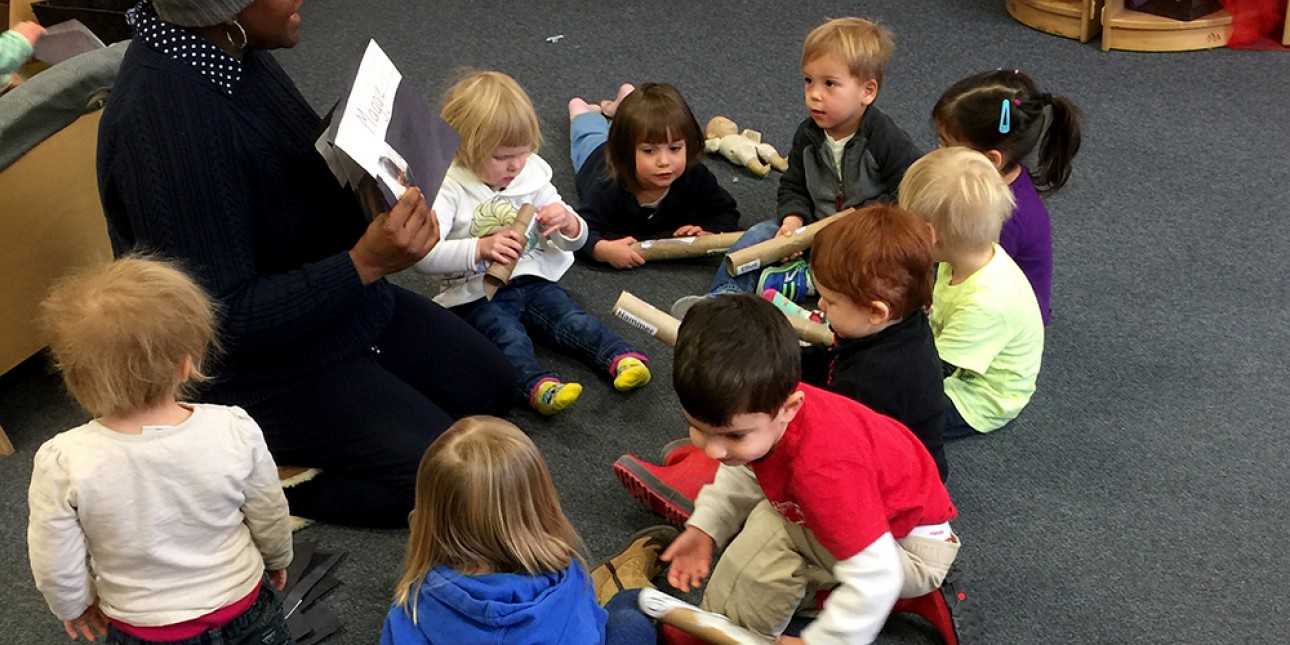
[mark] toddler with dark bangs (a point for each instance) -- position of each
(642, 175)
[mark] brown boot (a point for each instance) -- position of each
(633, 567)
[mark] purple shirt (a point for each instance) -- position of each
(1027, 236)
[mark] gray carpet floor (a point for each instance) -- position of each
(1135, 499)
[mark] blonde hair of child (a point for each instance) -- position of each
(485, 503)
(961, 194)
(866, 47)
(490, 111)
(120, 334)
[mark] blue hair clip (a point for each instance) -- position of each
(1005, 117)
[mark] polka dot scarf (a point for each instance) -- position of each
(180, 44)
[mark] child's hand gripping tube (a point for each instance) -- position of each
(498, 274)
(776, 249)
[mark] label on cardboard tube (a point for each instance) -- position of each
(647, 245)
(635, 321)
(752, 265)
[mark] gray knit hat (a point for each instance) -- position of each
(198, 13)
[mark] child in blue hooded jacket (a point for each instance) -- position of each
(491, 557)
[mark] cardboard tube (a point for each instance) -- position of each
(811, 331)
(647, 318)
(776, 249)
(710, 627)
(675, 248)
(498, 274)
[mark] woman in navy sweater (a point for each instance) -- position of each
(206, 156)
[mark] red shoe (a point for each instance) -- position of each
(676, 450)
(667, 490)
(945, 608)
(669, 635)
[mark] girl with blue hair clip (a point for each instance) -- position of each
(1005, 116)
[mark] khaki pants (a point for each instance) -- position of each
(773, 567)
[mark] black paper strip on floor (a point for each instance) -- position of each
(308, 581)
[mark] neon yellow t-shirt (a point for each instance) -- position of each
(989, 326)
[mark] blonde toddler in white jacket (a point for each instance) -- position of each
(497, 171)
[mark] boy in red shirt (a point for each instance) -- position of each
(828, 492)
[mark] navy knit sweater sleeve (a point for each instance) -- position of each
(231, 187)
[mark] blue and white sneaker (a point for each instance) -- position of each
(793, 280)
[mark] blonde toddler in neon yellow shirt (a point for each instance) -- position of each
(988, 327)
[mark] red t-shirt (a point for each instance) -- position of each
(850, 474)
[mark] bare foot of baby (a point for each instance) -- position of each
(608, 108)
(578, 106)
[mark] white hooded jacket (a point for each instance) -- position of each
(469, 209)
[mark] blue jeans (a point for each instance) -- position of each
(626, 624)
(532, 304)
(587, 132)
(723, 282)
(262, 624)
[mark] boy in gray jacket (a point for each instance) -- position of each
(845, 154)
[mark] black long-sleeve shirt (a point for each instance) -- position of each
(895, 372)
(612, 212)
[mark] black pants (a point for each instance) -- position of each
(367, 420)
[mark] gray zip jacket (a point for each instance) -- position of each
(873, 163)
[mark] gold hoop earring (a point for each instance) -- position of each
(241, 31)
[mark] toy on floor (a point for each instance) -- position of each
(647, 318)
(690, 246)
(743, 148)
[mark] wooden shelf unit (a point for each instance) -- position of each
(1123, 28)
(1078, 19)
